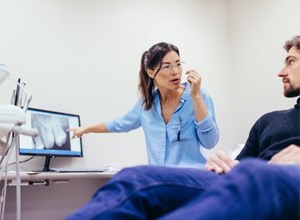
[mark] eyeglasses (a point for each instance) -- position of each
(167, 68)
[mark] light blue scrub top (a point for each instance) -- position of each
(162, 143)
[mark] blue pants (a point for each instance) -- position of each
(252, 190)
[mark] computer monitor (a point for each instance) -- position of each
(53, 140)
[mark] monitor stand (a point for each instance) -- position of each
(47, 164)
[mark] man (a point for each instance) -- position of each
(253, 189)
(273, 131)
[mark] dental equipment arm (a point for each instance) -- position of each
(12, 117)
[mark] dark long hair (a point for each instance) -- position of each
(150, 60)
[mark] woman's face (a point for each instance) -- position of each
(169, 75)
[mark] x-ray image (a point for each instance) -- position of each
(52, 132)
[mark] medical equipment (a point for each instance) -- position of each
(12, 118)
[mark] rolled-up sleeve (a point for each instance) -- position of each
(207, 128)
(127, 122)
(207, 131)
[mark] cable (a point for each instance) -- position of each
(6, 151)
(22, 161)
(8, 147)
(3, 193)
(18, 178)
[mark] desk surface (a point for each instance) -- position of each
(33, 176)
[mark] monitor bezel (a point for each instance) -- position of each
(48, 153)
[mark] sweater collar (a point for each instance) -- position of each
(298, 103)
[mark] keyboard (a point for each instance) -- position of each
(78, 170)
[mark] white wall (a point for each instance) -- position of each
(258, 30)
(83, 57)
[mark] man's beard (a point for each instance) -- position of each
(291, 92)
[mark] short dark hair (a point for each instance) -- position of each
(295, 41)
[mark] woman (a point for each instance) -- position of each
(177, 119)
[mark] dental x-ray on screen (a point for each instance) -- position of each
(53, 139)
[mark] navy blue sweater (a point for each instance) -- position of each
(272, 132)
